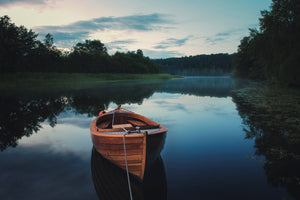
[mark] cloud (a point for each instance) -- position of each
(172, 42)
(65, 39)
(119, 44)
(223, 36)
(62, 36)
(74, 31)
(67, 35)
(217, 38)
(134, 22)
(161, 54)
(122, 45)
(214, 40)
(23, 2)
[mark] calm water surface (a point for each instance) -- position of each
(46, 149)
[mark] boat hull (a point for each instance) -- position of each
(110, 144)
(112, 148)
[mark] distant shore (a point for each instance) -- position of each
(13, 80)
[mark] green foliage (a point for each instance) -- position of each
(49, 41)
(91, 47)
(272, 53)
(134, 63)
(89, 60)
(16, 45)
(214, 64)
(20, 51)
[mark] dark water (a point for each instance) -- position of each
(46, 149)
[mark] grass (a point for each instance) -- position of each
(25, 80)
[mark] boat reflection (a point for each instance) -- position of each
(110, 181)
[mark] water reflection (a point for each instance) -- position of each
(277, 143)
(21, 116)
(36, 172)
(23, 112)
(110, 181)
(210, 163)
(204, 86)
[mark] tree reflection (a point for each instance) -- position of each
(276, 140)
(22, 114)
(23, 111)
(93, 100)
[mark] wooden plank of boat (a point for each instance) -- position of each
(107, 133)
(110, 181)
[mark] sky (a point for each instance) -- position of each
(160, 28)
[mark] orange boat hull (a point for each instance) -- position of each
(112, 148)
(109, 143)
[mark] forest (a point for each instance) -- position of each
(21, 51)
(214, 64)
(273, 52)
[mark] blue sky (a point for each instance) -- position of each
(161, 28)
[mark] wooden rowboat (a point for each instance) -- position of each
(111, 129)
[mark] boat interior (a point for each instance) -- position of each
(118, 121)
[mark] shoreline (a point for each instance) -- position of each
(25, 80)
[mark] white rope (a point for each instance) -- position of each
(113, 119)
(128, 180)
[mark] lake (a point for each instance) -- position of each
(47, 153)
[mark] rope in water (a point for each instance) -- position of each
(129, 186)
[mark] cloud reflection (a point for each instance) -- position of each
(37, 173)
(81, 121)
(170, 105)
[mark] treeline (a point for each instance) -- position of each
(214, 64)
(272, 52)
(20, 51)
